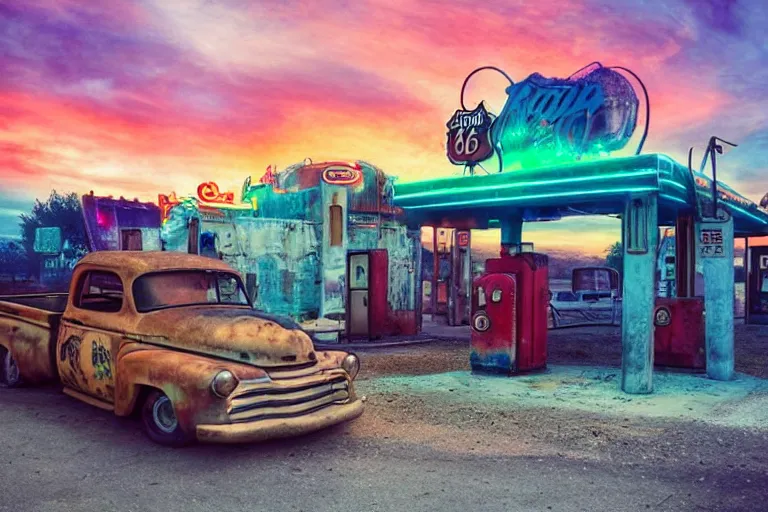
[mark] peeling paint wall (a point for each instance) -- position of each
(395, 240)
(334, 258)
(283, 248)
(279, 259)
(283, 257)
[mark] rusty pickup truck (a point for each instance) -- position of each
(174, 339)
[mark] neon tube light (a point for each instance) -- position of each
(675, 199)
(758, 219)
(674, 184)
(620, 191)
(525, 184)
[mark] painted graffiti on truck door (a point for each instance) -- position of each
(86, 361)
(70, 370)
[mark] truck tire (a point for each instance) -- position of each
(160, 422)
(9, 370)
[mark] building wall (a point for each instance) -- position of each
(334, 258)
(280, 257)
(283, 247)
(105, 217)
(283, 257)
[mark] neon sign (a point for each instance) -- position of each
(209, 192)
(553, 120)
(269, 177)
(469, 136)
(342, 176)
(723, 193)
(166, 203)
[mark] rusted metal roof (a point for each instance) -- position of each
(139, 262)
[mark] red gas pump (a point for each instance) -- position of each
(679, 335)
(509, 314)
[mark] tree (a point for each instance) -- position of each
(63, 211)
(615, 257)
(13, 260)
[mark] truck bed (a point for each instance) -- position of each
(51, 302)
(29, 325)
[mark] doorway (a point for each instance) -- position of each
(130, 240)
(358, 294)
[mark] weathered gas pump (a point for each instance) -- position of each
(757, 285)
(678, 319)
(509, 314)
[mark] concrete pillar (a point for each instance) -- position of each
(714, 249)
(641, 240)
(511, 232)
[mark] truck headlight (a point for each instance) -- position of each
(351, 365)
(224, 383)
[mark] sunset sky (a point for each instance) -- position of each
(152, 96)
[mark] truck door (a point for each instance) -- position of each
(88, 345)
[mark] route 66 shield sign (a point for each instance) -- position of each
(469, 136)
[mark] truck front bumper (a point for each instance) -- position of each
(262, 430)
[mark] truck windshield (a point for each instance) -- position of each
(180, 288)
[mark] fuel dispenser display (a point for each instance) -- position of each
(509, 315)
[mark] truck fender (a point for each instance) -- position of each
(185, 378)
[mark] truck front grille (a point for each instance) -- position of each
(286, 398)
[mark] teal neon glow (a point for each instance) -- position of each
(762, 220)
(674, 184)
(610, 191)
(674, 199)
(506, 186)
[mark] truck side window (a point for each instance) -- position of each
(99, 291)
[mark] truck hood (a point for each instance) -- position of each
(239, 334)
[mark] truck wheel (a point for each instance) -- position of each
(9, 370)
(160, 422)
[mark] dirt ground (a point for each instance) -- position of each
(482, 426)
(586, 345)
(415, 448)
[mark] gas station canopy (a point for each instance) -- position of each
(596, 187)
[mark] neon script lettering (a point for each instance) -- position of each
(166, 203)
(209, 192)
(336, 176)
(558, 120)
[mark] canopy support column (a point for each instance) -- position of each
(511, 232)
(640, 233)
(715, 250)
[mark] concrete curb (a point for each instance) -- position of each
(385, 344)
